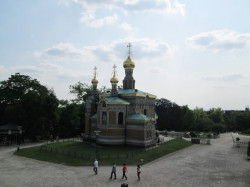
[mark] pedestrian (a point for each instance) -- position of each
(95, 166)
(113, 171)
(138, 172)
(124, 170)
(51, 138)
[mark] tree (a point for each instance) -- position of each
(188, 118)
(201, 120)
(83, 91)
(217, 115)
(71, 120)
(170, 115)
(26, 102)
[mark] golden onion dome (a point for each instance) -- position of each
(129, 63)
(94, 80)
(114, 80)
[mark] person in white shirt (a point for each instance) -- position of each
(95, 166)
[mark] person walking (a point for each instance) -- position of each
(138, 172)
(113, 171)
(124, 170)
(95, 166)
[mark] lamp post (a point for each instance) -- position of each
(96, 149)
(9, 133)
(19, 137)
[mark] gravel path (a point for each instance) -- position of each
(218, 164)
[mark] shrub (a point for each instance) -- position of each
(209, 135)
(237, 139)
(247, 131)
(193, 134)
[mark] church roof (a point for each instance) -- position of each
(115, 100)
(134, 92)
(131, 92)
(137, 118)
(94, 116)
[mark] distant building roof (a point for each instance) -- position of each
(9, 126)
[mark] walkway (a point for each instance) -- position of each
(218, 164)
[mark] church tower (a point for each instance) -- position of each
(129, 65)
(94, 84)
(91, 107)
(114, 80)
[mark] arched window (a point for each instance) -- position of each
(120, 118)
(103, 104)
(145, 111)
(104, 118)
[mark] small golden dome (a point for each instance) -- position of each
(94, 80)
(129, 63)
(114, 80)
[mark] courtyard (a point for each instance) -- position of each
(218, 164)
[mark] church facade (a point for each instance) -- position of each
(121, 116)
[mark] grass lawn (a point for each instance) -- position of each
(83, 154)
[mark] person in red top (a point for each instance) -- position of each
(138, 172)
(124, 169)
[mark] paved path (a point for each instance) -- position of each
(218, 164)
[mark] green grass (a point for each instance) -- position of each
(82, 154)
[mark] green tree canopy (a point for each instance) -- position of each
(26, 102)
(82, 91)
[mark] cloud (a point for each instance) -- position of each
(136, 6)
(89, 19)
(219, 41)
(156, 70)
(143, 49)
(45, 69)
(226, 78)
(64, 52)
(92, 7)
(126, 26)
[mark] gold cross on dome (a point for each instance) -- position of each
(95, 71)
(129, 46)
(114, 69)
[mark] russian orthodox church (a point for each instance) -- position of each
(121, 116)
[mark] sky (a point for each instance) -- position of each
(194, 53)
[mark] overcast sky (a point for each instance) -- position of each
(194, 53)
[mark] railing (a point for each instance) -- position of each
(89, 156)
(205, 141)
(239, 144)
(63, 140)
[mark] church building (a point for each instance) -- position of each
(121, 116)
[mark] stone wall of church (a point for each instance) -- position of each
(135, 134)
(112, 118)
(111, 132)
(141, 105)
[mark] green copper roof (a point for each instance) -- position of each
(131, 92)
(94, 116)
(137, 118)
(115, 100)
